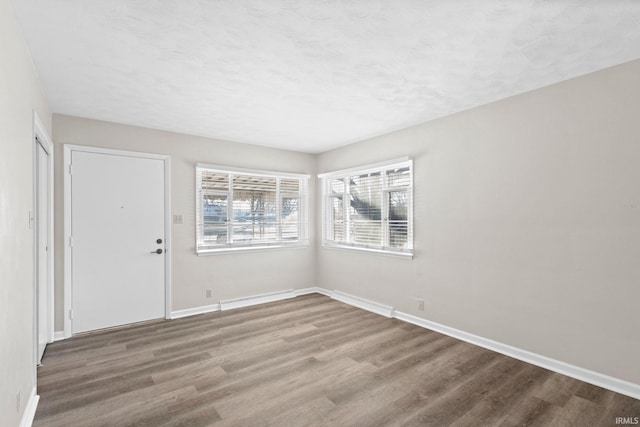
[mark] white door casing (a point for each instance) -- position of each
(42, 226)
(42, 247)
(117, 210)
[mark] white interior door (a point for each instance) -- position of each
(117, 239)
(43, 200)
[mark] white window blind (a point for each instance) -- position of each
(242, 209)
(369, 208)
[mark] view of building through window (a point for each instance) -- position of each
(241, 209)
(369, 209)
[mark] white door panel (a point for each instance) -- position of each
(117, 215)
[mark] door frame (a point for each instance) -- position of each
(68, 285)
(41, 137)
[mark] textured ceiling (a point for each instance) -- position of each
(310, 75)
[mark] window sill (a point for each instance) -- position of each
(242, 249)
(393, 254)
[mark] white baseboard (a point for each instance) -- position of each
(230, 304)
(245, 302)
(30, 409)
(193, 311)
(582, 374)
(256, 299)
(58, 336)
(313, 290)
(381, 309)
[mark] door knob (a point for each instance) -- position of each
(158, 251)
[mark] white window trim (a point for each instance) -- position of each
(303, 195)
(256, 172)
(364, 249)
(374, 167)
(327, 208)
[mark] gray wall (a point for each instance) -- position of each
(228, 275)
(20, 96)
(527, 222)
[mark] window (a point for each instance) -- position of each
(243, 209)
(369, 208)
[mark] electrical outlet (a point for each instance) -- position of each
(421, 304)
(208, 293)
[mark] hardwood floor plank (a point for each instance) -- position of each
(532, 412)
(305, 414)
(499, 402)
(288, 383)
(445, 409)
(308, 361)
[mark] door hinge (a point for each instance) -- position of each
(70, 241)
(70, 169)
(71, 314)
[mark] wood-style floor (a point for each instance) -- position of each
(309, 361)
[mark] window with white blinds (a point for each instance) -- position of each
(243, 209)
(369, 208)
